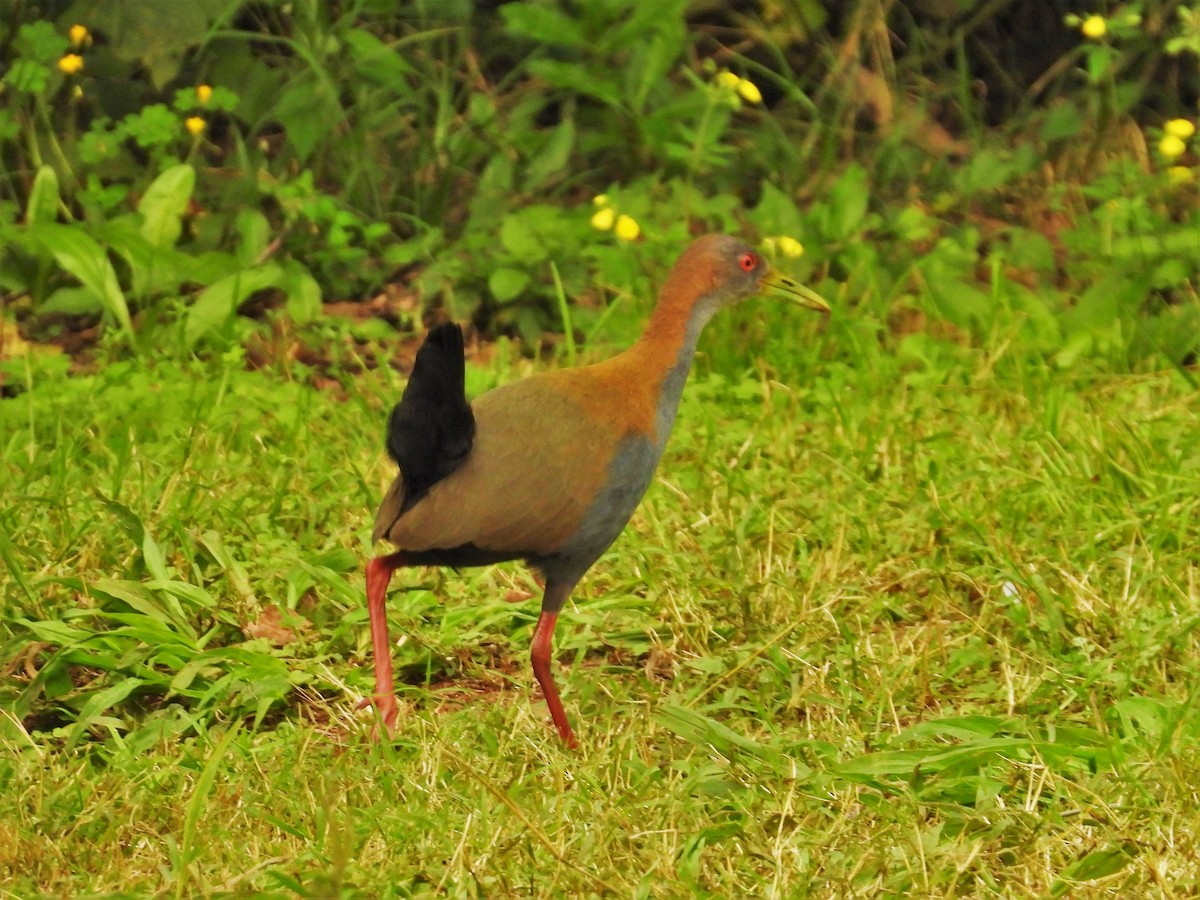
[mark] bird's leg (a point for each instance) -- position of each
(540, 656)
(379, 573)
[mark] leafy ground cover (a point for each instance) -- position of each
(880, 626)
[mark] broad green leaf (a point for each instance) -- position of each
(155, 34)
(80, 255)
(506, 284)
(234, 570)
(554, 156)
(303, 292)
(700, 729)
(375, 60)
(847, 203)
(1095, 865)
(98, 703)
(543, 24)
(72, 301)
(153, 556)
(154, 270)
(138, 596)
(574, 78)
(43, 197)
(519, 239)
(254, 233)
(776, 213)
(54, 632)
(164, 203)
(217, 303)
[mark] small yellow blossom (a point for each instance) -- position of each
(203, 94)
(195, 125)
(783, 246)
(604, 218)
(71, 63)
(790, 247)
(727, 79)
(600, 200)
(1180, 174)
(1180, 128)
(749, 91)
(1171, 146)
(1094, 27)
(79, 36)
(627, 229)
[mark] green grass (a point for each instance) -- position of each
(880, 626)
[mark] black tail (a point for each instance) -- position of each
(431, 429)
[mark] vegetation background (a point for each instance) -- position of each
(913, 605)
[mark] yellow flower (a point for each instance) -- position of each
(79, 36)
(203, 94)
(1094, 27)
(603, 219)
(627, 228)
(784, 246)
(71, 63)
(1180, 128)
(727, 79)
(600, 200)
(1180, 174)
(195, 125)
(1171, 146)
(790, 247)
(749, 91)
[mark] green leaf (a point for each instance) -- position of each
(218, 303)
(1095, 865)
(100, 702)
(27, 76)
(506, 284)
(155, 34)
(140, 598)
(374, 60)
(152, 555)
(71, 301)
(776, 213)
(254, 233)
(700, 729)
(847, 203)
(153, 270)
(153, 126)
(163, 205)
(80, 255)
(303, 292)
(553, 158)
(577, 79)
(1063, 122)
(43, 197)
(40, 40)
(543, 24)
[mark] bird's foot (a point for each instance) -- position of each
(385, 705)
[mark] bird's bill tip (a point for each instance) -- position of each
(776, 284)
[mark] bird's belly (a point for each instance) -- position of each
(629, 475)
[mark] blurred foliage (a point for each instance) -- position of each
(948, 160)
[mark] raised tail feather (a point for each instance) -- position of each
(431, 430)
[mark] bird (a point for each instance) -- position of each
(550, 468)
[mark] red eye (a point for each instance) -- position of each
(748, 262)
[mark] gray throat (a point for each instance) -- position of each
(677, 375)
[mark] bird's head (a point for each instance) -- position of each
(717, 271)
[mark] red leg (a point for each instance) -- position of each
(379, 573)
(540, 655)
